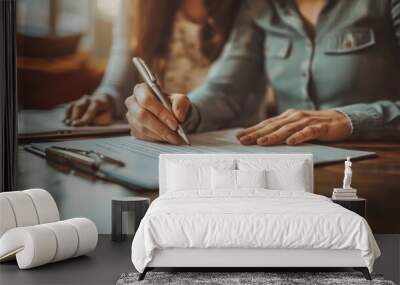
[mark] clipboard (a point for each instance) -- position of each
(83, 164)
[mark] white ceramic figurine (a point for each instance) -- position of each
(346, 192)
(347, 174)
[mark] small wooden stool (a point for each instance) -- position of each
(120, 205)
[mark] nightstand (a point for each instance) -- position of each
(358, 206)
(119, 205)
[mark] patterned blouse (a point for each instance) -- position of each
(186, 66)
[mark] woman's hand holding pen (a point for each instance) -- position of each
(150, 120)
(296, 126)
(90, 110)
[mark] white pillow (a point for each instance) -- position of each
(282, 174)
(225, 179)
(183, 178)
(184, 175)
(251, 178)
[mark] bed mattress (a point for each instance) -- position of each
(250, 219)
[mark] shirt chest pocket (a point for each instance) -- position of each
(349, 41)
(277, 47)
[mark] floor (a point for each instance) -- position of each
(103, 266)
(111, 259)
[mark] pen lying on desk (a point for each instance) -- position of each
(87, 153)
(85, 164)
(152, 82)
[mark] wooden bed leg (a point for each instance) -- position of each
(143, 274)
(364, 271)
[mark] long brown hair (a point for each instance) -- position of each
(153, 23)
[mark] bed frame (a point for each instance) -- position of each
(242, 259)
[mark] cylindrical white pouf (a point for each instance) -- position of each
(36, 245)
(23, 208)
(7, 218)
(87, 233)
(67, 239)
(45, 205)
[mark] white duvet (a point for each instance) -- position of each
(250, 219)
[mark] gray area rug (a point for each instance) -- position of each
(269, 278)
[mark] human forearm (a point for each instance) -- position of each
(378, 120)
(118, 80)
(211, 111)
(235, 85)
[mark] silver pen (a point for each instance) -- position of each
(152, 82)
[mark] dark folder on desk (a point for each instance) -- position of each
(141, 158)
(48, 124)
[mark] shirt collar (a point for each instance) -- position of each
(289, 13)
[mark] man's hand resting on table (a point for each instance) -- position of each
(95, 110)
(295, 127)
(150, 120)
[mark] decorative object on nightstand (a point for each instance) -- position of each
(119, 205)
(357, 205)
(346, 192)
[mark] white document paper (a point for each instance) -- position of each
(223, 141)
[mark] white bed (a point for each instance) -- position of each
(194, 223)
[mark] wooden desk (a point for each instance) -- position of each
(377, 180)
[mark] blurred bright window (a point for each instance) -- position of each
(91, 18)
(53, 16)
(107, 8)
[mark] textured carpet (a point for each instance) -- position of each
(269, 278)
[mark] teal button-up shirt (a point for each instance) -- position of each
(351, 64)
